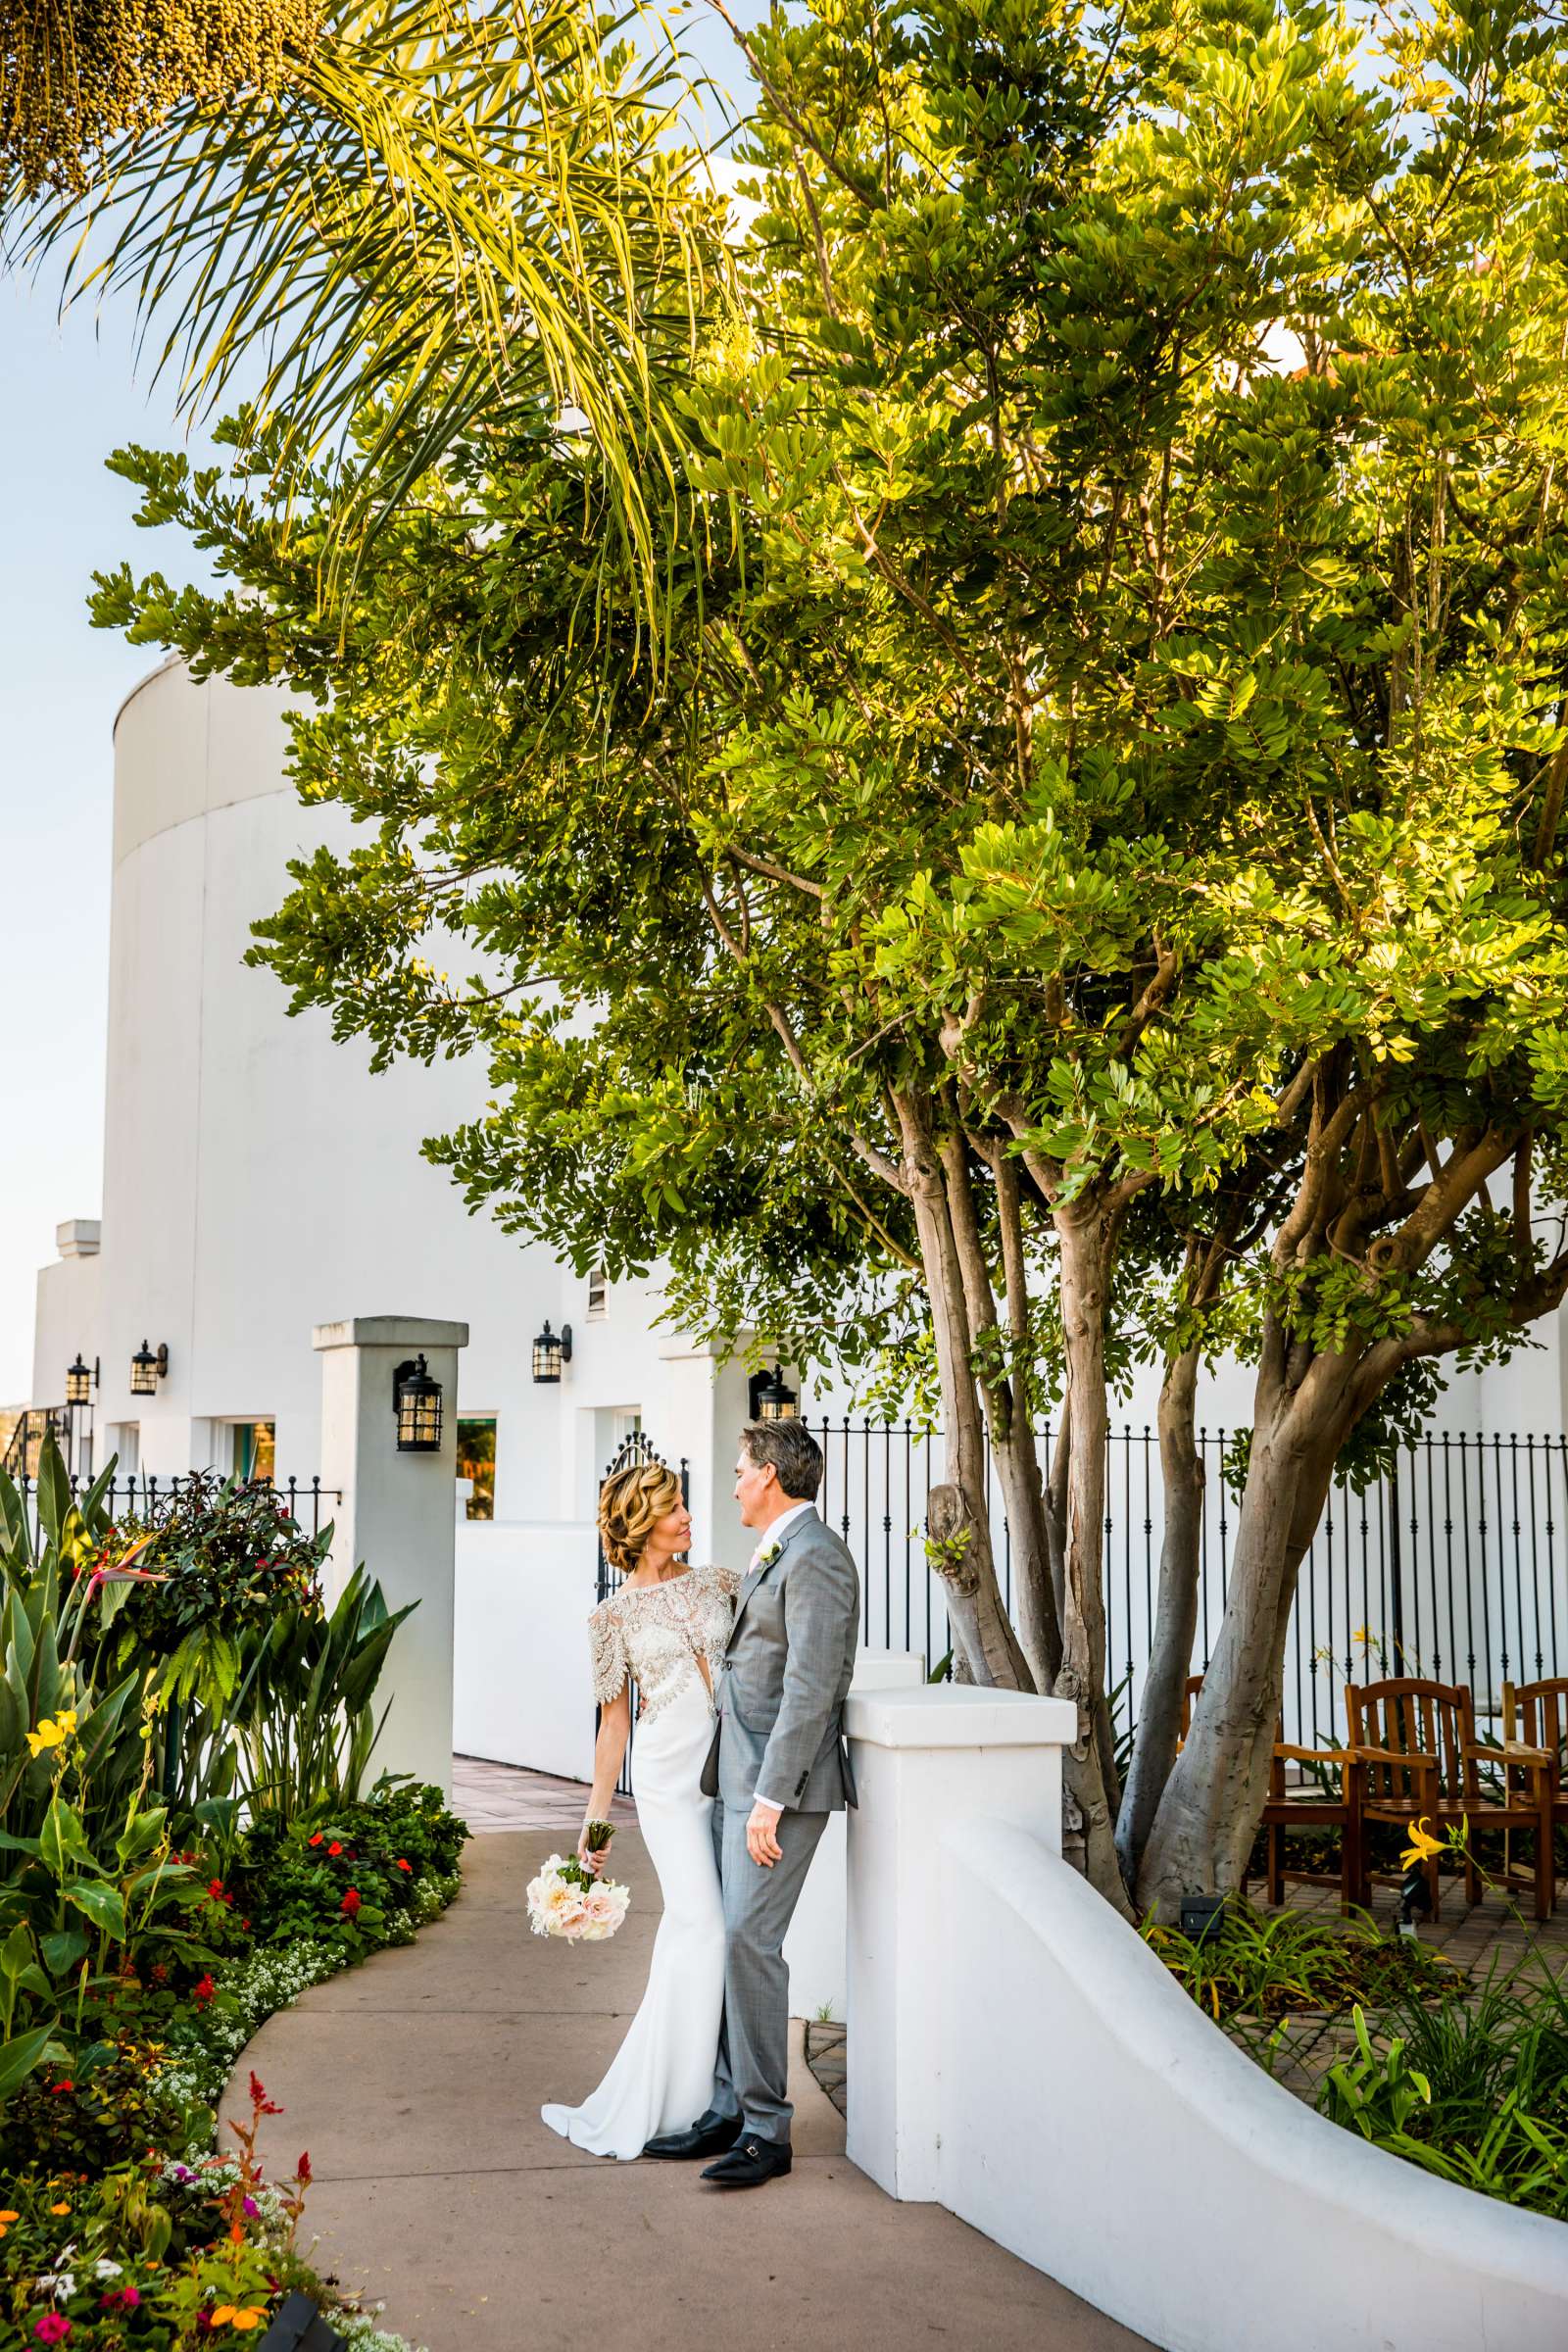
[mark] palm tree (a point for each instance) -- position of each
(380, 217)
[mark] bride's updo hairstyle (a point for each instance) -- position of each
(631, 1504)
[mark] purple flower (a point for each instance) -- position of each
(252, 2209)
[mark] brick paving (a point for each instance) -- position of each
(504, 1797)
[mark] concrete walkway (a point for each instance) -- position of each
(415, 2083)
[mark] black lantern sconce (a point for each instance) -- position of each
(417, 1401)
(81, 1381)
(147, 1370)
(771, 1398)
(551, 1350)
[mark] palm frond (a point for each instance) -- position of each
(446, 209)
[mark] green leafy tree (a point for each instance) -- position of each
(1084, 882)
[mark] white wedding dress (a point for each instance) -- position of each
(662, 2078)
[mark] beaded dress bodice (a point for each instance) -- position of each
(656, 1634)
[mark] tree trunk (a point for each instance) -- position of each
(1171, 1657)
(962, 1553)
(1018, 1455)
(1089, 1765)
(1208, 1815)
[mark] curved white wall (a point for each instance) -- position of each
(1093, 2120)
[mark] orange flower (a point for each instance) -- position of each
(61, 2208)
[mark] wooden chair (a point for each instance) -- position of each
(1300, 1805)
(1536, 1715)
(1415, 1756)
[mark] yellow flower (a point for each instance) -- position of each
(52, 1732)
(1422, 1847)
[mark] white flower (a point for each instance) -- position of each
(105, 2269)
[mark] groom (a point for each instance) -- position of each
(778, 1766)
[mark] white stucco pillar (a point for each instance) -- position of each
(923, 1758)
(814, 1947)
(397, 1516)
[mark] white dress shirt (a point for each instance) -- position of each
(773, 1534)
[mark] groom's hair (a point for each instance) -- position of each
(793, 1452)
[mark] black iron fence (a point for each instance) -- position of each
(307, 1502)
(1452, 1565)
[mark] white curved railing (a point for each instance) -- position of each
(1093, 2120)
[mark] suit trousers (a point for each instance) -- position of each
(751, 2077)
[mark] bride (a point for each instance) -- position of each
(665, 1629)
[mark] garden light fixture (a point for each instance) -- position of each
(147, 1370)
(772, 1398)
(81, 1380)
(417, 1401)
(551, 1350)
(1202, 1917)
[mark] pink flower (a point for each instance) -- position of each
(53, 2329)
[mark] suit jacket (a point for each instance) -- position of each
(785, 1676)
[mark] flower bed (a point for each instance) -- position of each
(186, 1843)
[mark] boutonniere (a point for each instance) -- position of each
(767, 1553)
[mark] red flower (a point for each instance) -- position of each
(258, 2098)
(67, 2085)
(316, 1839)
(204, 1989)
(402, 1864)
(216, 1894)
(302, 2171)
(350, 1902)
(335, 1847)
(159, 1973)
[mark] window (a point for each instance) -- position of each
(476, 1460)
(255, 1450)
(598, 1295)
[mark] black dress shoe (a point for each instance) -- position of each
(750, 2163)
(710, 2136)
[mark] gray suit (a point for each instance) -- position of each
(780, 1734)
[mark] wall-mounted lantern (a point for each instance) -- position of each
(147, 1370)
(771, 1398)
(81, 1380)
(551, 1350)
(417, 1401)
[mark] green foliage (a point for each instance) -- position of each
(1474, 2090)
(294, 1879)
(474, 211)
(1377, 2092)
(1267, 1965)
(133, 1724)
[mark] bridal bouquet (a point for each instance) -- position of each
(566, 1900)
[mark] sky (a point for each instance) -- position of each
(69, 394)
